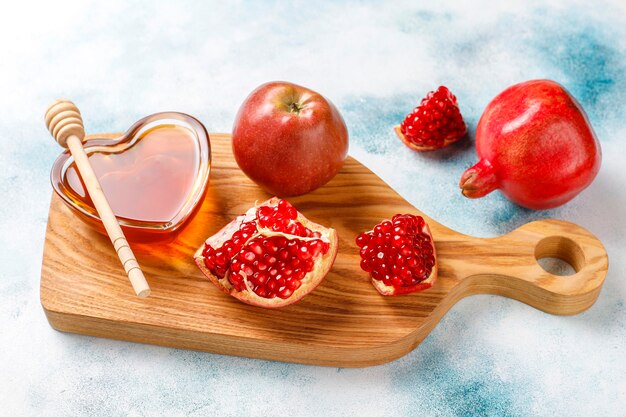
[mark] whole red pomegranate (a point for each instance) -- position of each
(535, 143)
(288, 139)
(271, 256)
(399, 255)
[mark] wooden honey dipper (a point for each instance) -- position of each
(65, 123)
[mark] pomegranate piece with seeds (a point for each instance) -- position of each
(435, 123)
(271, 256)
(399, 254)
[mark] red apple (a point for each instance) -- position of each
(288, 139)
(536, 145)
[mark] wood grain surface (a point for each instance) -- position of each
(344, 322)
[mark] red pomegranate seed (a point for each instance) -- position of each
(248, 256)
(303, 252)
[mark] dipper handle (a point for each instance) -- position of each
(65, 123)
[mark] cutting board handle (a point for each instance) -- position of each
(507, 265)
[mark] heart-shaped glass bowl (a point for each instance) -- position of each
(155, 176)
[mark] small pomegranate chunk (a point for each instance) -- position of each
(271, 256)
(435, 123)
(399, 254)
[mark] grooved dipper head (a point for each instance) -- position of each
(63, 120)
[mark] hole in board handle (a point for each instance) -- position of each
(559, 255)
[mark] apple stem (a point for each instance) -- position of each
(295, 108)
(479, 180)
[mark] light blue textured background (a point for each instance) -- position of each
(120, 61)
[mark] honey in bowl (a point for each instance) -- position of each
(154, 176)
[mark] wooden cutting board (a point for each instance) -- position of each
(344, 322)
